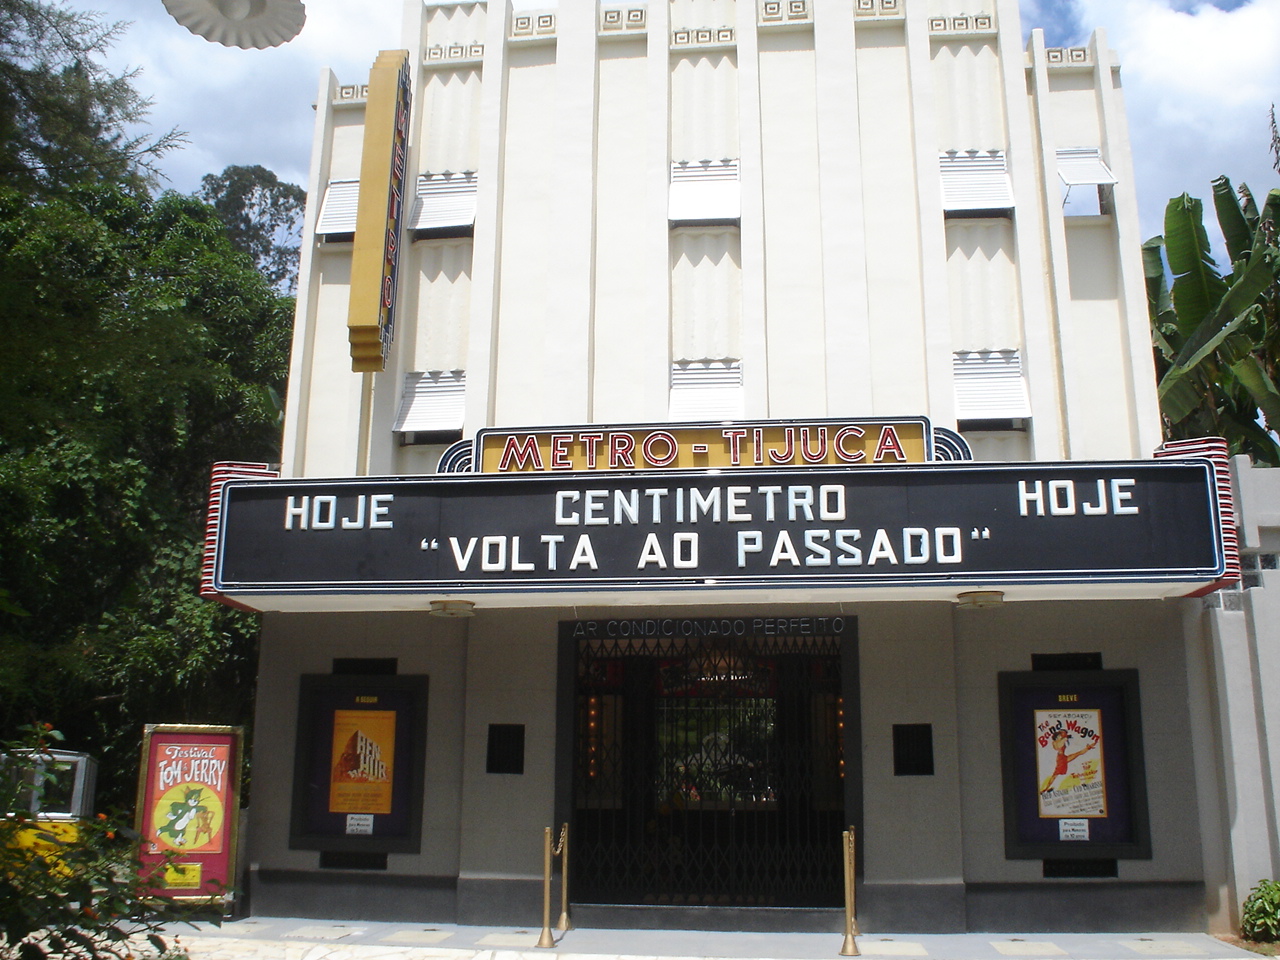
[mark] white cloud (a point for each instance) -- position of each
(1198, 86)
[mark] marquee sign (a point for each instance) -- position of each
(753, 443)
(958, 524)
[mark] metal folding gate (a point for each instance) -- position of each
(709, 771)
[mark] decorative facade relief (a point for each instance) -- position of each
(618, 21)
(454, 53)
(1068, 57)
(352, 93)
(533, 26)
(774, 12)
(982, 24)
(703, 37)
(886, 9)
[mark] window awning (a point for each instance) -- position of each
(433, 400)
(989, 385)
(704, 191)
(707, 390)
(1083, 165)
(444, 200)
(338, 209)
(975, 180)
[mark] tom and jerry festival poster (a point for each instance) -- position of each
(188, 807)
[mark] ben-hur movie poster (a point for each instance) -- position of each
(364, 744)
(1072, 777)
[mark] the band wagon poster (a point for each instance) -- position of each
(1071, 755)
(359, 771)
(188, 808)
(1073, 780)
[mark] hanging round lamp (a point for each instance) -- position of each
(246, 24)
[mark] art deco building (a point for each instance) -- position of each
(714, 424)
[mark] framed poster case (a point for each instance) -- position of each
(188, 809)
(1074, 777)
(359, 764)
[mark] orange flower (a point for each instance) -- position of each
(102, 816)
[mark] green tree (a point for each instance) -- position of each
(1216, 334)
(263, 217)
(63, 116)
(140, 348)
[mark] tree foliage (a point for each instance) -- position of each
(64, 118)
(263, 217)
(141, 348)
(1217, 334)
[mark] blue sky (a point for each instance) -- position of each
(1199, 79)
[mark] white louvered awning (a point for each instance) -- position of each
(338, 210)
(707, 390)
(704, 190)
(444, 200)
(990, 386)
(432, 400)
(1083, 165)
(975, 180)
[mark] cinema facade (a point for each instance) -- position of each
(714, 425)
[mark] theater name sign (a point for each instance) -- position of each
(633, 535)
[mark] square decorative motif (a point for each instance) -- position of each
(636, 17)
(797, 9)
(477, 50)
(1079, 55)
(983, 23)
(546, 22)
(938, 24)
(435, 53)
(455, 52)
(681, 38)
(1054, 55)
(960, 24)
(724, 36)
(522, 25)
(611, 19)
(771, 10)
(889, 7)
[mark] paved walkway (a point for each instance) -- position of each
(279, 938)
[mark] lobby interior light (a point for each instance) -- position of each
(452, 608)
(248, 24)
(979, 599)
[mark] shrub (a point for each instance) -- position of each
(73, 889)
(1260, 918)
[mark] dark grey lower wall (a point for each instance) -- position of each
(1048, 907)
(484, 902)
(1086, 907)
(911, 907)
(352, 895)
(750, 919)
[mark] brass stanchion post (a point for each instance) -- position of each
(546, 940)
(564, 923)
(850, 948)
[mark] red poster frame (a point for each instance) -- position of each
(189, 789)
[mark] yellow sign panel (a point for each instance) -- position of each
(375, 251)
(182, 876)
(705, 446)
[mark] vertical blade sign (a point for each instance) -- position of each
(380, 212)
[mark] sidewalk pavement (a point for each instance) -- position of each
(281, 938)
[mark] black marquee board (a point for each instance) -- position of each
(993, 524)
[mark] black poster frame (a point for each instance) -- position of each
(313, 825)
(1124, 831)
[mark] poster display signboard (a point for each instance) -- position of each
(359, 763)
(1074, 782)
(188, 808)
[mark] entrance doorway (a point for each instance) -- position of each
(709, 770)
